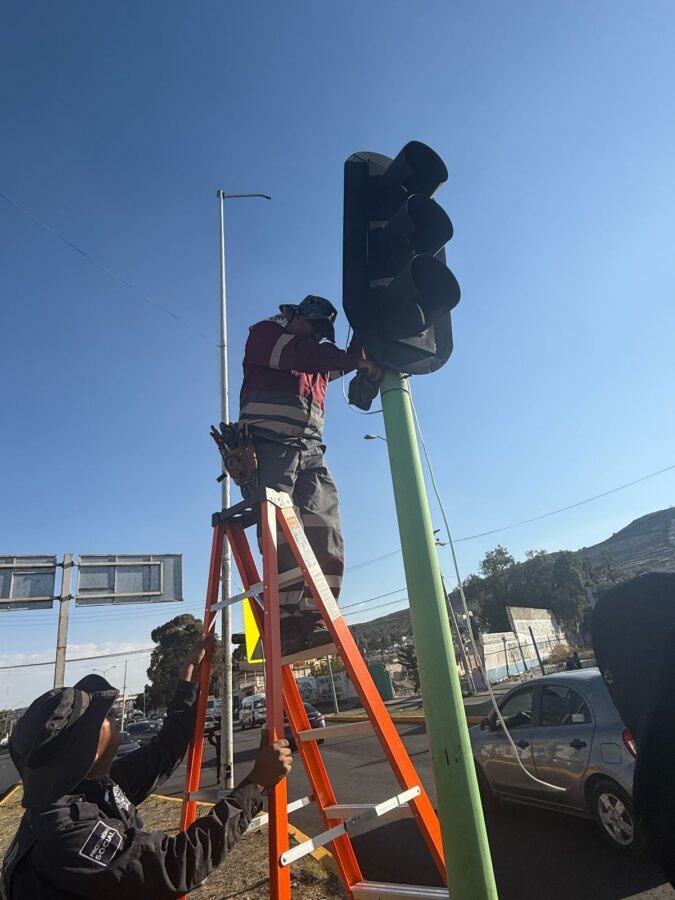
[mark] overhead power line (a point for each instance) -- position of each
(106, 269)
(553, 512)
(51, 662)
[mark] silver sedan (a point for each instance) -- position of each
(567, 733)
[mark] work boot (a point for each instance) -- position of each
(316, 631)
(293, 638)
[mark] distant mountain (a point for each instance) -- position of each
(646, 545)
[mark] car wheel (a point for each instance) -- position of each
(613, 811)
(488, 799)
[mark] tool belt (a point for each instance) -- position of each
(236, 448)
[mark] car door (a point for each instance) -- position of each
(494, 753)
(561, 743)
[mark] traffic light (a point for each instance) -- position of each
(397, 290)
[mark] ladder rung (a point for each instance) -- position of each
(262, 820)
(349, 826)
(311, 653)
(208, 795)
(213, 795)
(350, 810)
(318, 734)
(285, 578)
(380, 890)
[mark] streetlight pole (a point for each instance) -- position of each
(226, 724)
(103, 671)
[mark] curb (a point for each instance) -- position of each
(10, 793)
(397, 720)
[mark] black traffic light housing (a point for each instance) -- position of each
(397, 290)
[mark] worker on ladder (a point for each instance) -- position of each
(288, 362)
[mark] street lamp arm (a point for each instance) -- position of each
(239, 196)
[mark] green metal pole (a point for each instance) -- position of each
(467, 853)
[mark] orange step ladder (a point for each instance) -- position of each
(273, 512)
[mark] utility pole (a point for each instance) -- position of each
(62, 628)
(460, 639)
(124, 695)
(459, 804)
(226, 714)
(332, 686)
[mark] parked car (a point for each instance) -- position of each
(316, 720)
(569, 734)
(127, 745)
(253, 711)
(143, 732)
(4, 742)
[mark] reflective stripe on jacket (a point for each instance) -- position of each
(285, 381)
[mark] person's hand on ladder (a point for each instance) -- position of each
(273, 762)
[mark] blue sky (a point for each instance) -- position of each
(120, 122)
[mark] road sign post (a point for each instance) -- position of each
(64, 615)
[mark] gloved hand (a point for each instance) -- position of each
(362, 389)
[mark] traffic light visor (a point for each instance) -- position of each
(420, 295)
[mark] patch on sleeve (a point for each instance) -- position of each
(121, 800)
(102, 844)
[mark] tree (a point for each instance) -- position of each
(496, 564)
(407, 657)
(173, 640)
(321, 667)
(568, 584)
(384, 642)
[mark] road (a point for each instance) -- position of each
(535, 853)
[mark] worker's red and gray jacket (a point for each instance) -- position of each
(91, 843)
(285, 381)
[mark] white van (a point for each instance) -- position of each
(253, 711)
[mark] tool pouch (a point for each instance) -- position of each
(238, 453)
(242, 464)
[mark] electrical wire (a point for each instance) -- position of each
(106, 269)
(465, 607)
(361, 412)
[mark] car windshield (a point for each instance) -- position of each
(259, 704)
(125, 738)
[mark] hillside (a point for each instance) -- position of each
(646, 544)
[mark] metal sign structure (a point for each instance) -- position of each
(119, 579)
(27, 582)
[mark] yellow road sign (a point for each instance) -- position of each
(254, 647)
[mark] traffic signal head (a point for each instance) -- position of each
(397, 290)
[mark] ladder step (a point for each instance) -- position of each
(262, 820)
(213, 795)
(330, 731)
(380, 890)
(350, 810)
(313, 653)
(350, 826)
(285, 578)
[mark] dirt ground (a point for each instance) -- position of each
(242, 877)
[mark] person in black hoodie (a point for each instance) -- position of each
(81, 835)
(634, 644)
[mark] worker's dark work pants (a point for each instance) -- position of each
(303, 474)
